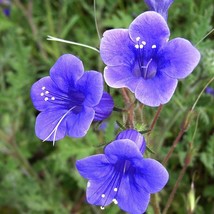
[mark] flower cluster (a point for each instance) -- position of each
(140, 58)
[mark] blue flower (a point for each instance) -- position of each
(141, 59)
(159, 6)
(122, 175)
(69, 100)
(209, 90)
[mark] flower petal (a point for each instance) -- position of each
(94, 167)
(151, 28)
(51, 125)
(66, 71)
(132, 198)
(116, 48)
(91, 85)
(120, 76)
(98, 191)
(179, 58)
(78, 124)
(151, 175)
(39, 94)
(134, 136)
(128, 150)
(104, 108)
(99, 172)
(160, 6)
(155, 91)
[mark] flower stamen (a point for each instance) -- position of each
(115, 201)
(54, 131)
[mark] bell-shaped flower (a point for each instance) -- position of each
(142, 59)
(69, 100)
(122, 175)
(159, 6)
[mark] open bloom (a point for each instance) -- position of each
(122, 175)
(141, 59)
(159, 6)
(69, 100)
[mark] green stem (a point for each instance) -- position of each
(199, 96)
(210, 32)
(155, 119)
(181, 174)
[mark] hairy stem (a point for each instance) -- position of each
(129, 107)
(181, 175)
(155, 204)
(155, 119)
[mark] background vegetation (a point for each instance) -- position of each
(36, 177)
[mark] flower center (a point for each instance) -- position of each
(67, 101)
(145, 65)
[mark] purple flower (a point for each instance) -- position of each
(141, 59)
(69, 100)
(122, 175)
(209, 90)
(159, 6)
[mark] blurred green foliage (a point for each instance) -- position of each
(36, 177)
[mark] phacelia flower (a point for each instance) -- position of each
(141, 59)
(122, 175)
(69, 100)
(159, 6)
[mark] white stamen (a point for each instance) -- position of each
(102, 208)
(54, 131)
(88, 184)
(103, 195)
(154, 46)
(141, 46)
(52, 98)
(43, 88)
(46, 99)
(42, 94)
(143, 42)
(115, 189)
(138, 39)
(47, 92)
(115, 201)
(137, 46)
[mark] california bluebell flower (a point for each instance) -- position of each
(122, 175)
(69, 100)
(141, 59)
(209, 90)
(159, 6)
